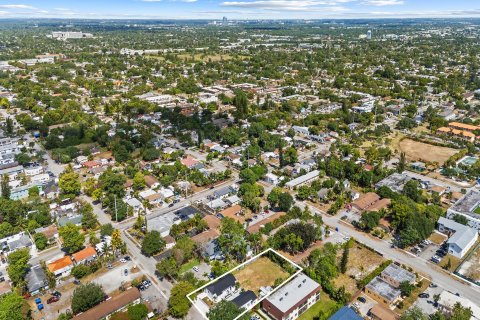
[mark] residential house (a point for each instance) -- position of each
(36, 280)
(461, 237)
(271, 178)
(245, 299)
(60, 267)
(151, 182)
(115, 304)
(365, 201)
(15, 242)
(293, 299)
(379, 312)
(221, 288)
(86, 255)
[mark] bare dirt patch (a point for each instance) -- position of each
(261, 272)
(420, 151)
(361, 261)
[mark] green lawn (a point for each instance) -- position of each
(189, 265)
(477, 210)
(324, 306)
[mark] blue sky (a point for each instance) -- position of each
(238, 9)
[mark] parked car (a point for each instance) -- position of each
(127, 258)
(52, 299)
(433, 285)
(362, 299)
(123, 260)
(195, 269)
(424, 295)
(125, 272)
(76, 281)
(56, 294)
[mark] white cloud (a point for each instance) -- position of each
(290, 5)
(16, 6)
(382, 3)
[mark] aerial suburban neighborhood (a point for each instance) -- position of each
(239, 168)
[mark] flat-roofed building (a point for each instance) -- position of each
(293, 299)
(468, 207)
(302, 179)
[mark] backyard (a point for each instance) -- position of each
(322, 309)
(260, 273)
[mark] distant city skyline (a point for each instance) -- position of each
(238, 9)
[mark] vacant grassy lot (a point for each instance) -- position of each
(408, 301)
(347, 282)
(415, 151)
(454, 262)
(323, 309)
(361, 261)
(261, 272)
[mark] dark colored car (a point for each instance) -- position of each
(57, 294)
(127, 258)
(362, 299)
(424, 295)
(52, 299)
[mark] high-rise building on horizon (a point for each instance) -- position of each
(225, 20)
(369, 34)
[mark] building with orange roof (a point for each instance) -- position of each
(189, 161)
(212, 221)
(61, 267)
(463, 126)
(465, 135)
(84, 256)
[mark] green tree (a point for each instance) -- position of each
(5, 187)
(344, 261)
(285, 201)
(106, 229)
(18, 266)
(460, 219)
(89, 219)
(41, 241)
(69, 183)
(178, 304)
(406, 288)
(86, 296)
(152, 243)
(167, 268)
(224, 310)
(72, 238)
(414, 313)
(138, 181)
(138, 311)
(14, 307)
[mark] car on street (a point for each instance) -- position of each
(123, 260)
(433, 285)
(125, 272)
(424, 295)
(127, 258)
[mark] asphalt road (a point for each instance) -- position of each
(421, 265)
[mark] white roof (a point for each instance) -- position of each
(302, 179)
(288, 296)
(448, 300)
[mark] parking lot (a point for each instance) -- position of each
(204, 270)
(364, 307)
(427, 304)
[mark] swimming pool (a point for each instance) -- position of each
(468, 160)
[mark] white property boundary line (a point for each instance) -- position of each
(300, 269)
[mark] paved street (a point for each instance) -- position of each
(444, 280)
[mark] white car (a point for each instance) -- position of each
(195, 269)
(123, 260)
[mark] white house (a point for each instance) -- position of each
(221, 288)
(463, 237)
